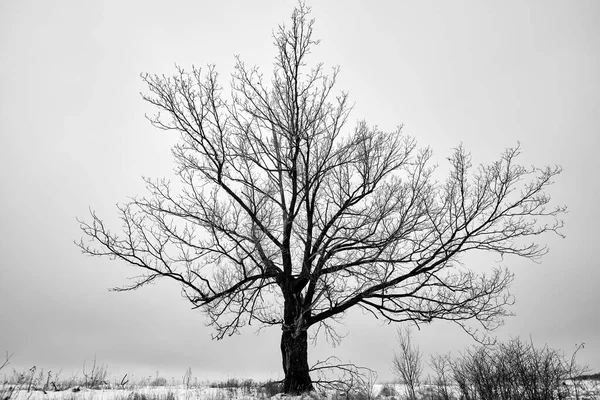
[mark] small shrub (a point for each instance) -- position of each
(159, 381)
(170, 396)
(151, 396)
(95, 378)
(231, 383)
(137, 396)
(431, 393)
(388, 390)
(271, 388)
(359, 395)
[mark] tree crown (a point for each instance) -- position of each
(286, 217)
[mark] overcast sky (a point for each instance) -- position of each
(488, 74)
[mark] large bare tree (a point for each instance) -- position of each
(285, 217)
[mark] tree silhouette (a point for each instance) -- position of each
(287, 218)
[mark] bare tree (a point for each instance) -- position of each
(286, 218)
(407, 363)
(441, 364)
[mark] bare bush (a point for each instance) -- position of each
(574, 373)
(96, 377)
(513, 370)
(27, 381)
(442, 380)
(6, 391)
(150, 396)
(159, 381)
(187, 378)
(270, 388)
(388, 390)
(407, 364)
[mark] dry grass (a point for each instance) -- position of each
(480, 374)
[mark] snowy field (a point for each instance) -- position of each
(588, 390)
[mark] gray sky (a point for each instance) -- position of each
(485, 73)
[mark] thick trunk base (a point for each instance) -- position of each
(294, 351)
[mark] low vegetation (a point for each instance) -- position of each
(514, 370)
(505, 371)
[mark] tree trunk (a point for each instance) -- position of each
(294, 351)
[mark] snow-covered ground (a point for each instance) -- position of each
(589, 390)
(138, 393)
